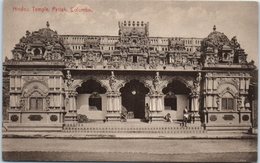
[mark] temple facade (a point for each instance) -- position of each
(56, 79)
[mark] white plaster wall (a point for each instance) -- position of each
(182, 102)
(83, 107)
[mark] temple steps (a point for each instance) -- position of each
(132, 128)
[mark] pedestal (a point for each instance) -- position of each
(71, 115)
(113, 106)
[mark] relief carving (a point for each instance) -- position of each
(35, 87)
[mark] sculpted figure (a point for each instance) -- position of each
(112, 81)
(156, 80)
(234, 43)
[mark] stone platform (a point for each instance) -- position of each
(132, 126)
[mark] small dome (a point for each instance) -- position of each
(218, 37)
(215, 40)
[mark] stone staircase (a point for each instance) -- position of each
(133, 127)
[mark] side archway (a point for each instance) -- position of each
(176, 98)
(91, 99)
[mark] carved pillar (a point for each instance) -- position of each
(195, 106)
(113, 99)
(113, 102)
(113, 106)
(156, 106)
(194, 102)
(152, 103)
(195, 97)
(71, 106)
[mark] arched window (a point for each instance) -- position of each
(227, 102)
(95, 101)
(170, 102)
(37, 52)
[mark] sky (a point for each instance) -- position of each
(166, 19)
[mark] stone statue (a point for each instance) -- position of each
(234, 43)
(156, 81)
(112, 81)
(69, 78)
(196, 83)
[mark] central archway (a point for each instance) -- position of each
(133, 98)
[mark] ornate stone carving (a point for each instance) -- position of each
(14, 118)
(44, 44)
(231, 81)
(213, 118)
(35, 117)
(35, 87)
(245, 117)
(28, 79)
(22, 103)
(69, 79)
(47, 102)
(146, 80)
(187, 80)
(228, 117)
(239, 103)
(196, 84)
(156, 81)
(234, 43)
(217, 48)
(53, 118)
(112, 81)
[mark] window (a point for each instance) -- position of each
(37, 52)
(227, 103)
(95, 101)
(170, 102)
(36, 103)
(134, 59)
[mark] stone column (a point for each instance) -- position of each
(113, 106)
(153, 103)
(156, 106)
(71, 107)
(195, 106)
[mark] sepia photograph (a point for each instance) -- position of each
(141, 81)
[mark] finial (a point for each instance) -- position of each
(47, 24)
(214, 28)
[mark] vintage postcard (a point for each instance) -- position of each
(160, 80)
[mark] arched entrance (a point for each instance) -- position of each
(176, 98)
(133, 98)
(91, 99)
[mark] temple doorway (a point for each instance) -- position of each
(133, 98)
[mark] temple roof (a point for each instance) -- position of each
(40, 43)
(215, 40)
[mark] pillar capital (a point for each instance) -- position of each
(194, 94)
(71, 93)
(156, 94)
(113, 93)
